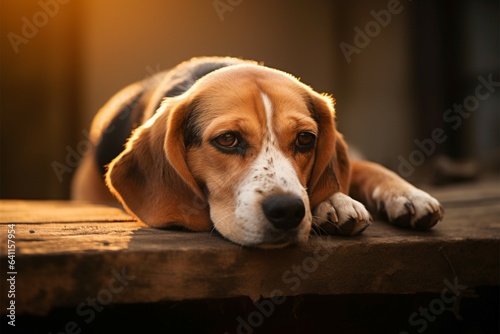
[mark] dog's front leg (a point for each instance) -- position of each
(340, 214)
(387, 194)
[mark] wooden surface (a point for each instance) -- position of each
(68, 252)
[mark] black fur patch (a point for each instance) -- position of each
(194, 75)
(311, 107)
(192, 131)
(115, 136)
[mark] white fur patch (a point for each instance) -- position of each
(268, 107)
(376, 193)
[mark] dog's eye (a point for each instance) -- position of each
(230, 143)
(228, 139)
(305, 141)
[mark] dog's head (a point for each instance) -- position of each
(247, 148)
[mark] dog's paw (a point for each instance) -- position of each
(413, 208)
(340, 214)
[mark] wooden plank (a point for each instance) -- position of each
(62, 258)
(485, 190)
(478, 222)
(15, 211)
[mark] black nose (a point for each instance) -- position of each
(284, 211)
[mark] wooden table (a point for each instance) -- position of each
(67, 251)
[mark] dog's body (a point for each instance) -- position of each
(249, 150)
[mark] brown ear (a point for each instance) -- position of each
(151, 178)
(331, 170)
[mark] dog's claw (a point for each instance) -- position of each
(353, 227)
(411, 209)
(429, 220)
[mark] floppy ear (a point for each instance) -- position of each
(331, 170)
(151, 178)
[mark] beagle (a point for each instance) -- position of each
(248, 150)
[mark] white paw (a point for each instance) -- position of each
(413, 208)
(340, 214)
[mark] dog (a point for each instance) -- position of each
(232, 145)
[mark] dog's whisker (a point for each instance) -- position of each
(319, 220)
(313, 231)
(213, 230)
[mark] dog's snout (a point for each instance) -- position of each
(284, 211)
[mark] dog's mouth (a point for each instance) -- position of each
(271, 239)
(280, 239)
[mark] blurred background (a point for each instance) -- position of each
(414, 80)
